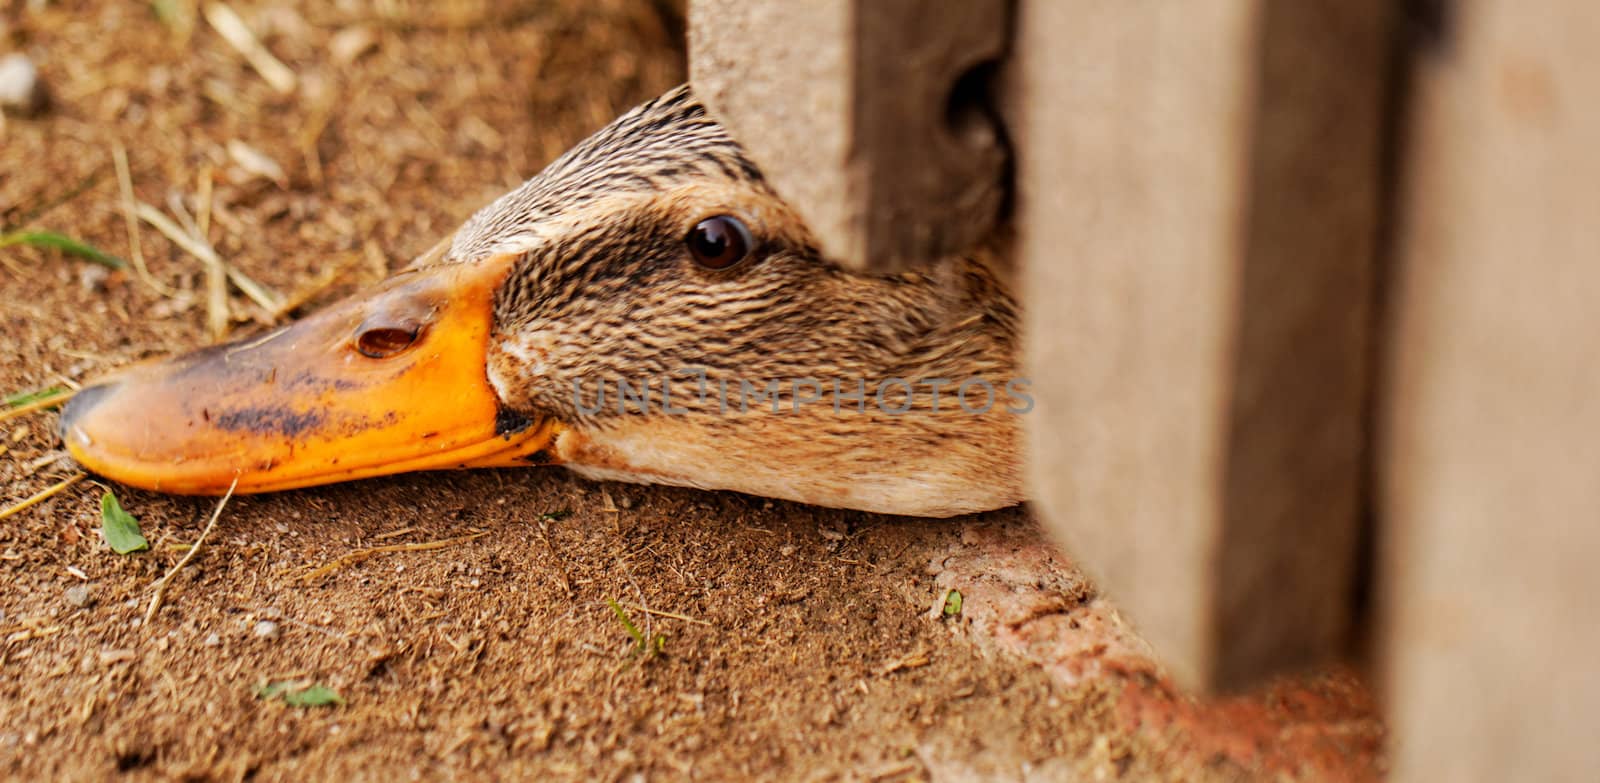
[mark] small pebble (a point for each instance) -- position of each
(92, 278)
(213, 640)
(787, 549)
(347, 45)
(109, 657)
(21, 92)
(266, 629)
(78, 595)
(255, 163)
(625, 502)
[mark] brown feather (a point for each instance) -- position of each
(604, 291)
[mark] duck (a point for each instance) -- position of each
(646, 309)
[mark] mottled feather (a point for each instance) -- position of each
(604, 291)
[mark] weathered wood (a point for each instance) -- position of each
(1491, 455)
(1198, 191)
(857, 112)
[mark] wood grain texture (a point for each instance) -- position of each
(1198, 189)
(1491, 497)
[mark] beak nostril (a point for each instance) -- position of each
(81, 403)
(383, 342)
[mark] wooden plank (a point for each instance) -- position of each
(857, 112)
(1491, 505)
(1198, 190)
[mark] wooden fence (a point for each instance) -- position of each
(1313, 312)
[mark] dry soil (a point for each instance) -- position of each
(795, 642)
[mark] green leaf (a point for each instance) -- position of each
(119, 527)
(553, 516)
(314, 696)
(63, 243)
(952, 603)
(297, 694)
(167, 11)
(633, 630)
(23, 398)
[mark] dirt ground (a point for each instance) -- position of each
(796, 643)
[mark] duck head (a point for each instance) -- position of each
(645, 309)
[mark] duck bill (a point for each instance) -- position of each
(389, 381)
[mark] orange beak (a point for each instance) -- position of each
(389, 381)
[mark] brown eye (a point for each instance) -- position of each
(719, 242)
(383, 342)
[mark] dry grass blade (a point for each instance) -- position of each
(40, 497)
(202, 197)
(915, 660)
(218, 311)
(261, 295)
(35, 633)
(119, 156)
(356, 557)
(315, 288)
(238, 35)
(903, 769)
(321, 114)
(256, 163)
(270, 300)
(39, 404)
(161, 584)
(278, 615)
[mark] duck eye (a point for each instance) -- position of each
(382, 342)
(719, 242)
